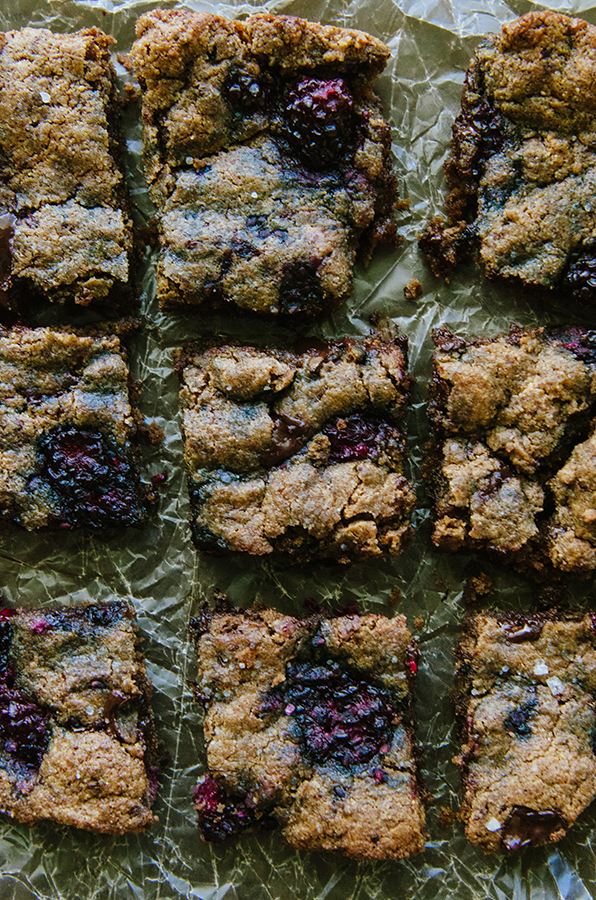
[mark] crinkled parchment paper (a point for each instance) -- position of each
(431, 43)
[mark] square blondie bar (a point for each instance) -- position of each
(522, 166)
(267, 157)
(297, 450)
(512, 425)
(66, 431)
(64, 229)
(528, 716)
(308, 724)
(77, 741)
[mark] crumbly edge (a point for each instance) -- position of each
(304, 628)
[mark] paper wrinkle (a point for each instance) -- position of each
(431, 43)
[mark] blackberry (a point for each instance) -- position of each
(246, 93)
(219, 817)
(517, 721)
(23, 723)
(580, 278)
(300, 289)
(356, 438)
(340, 717)
(318, 120)
(24, 734)
(478, 133)
(94, 480)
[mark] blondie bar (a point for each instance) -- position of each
(77, 742)
(308, 725)
(506, 414)
(64, 231)
(522, 167)
(528, 715)
(297, 450)
(267, 157)
(66, 430)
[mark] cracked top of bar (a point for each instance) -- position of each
(511, 464)
(77, 741)
(267, 156)
(297, 450)
(527, 713)
(63, 230)
(308, 723)
(66, 431)
(522, 167)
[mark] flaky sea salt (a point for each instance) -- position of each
(556, 685)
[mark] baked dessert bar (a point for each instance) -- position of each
(77, 741)
(267, 157)
(522, 166)
(506, 414)
(527, 714)
(297, 450)
(308, 724)
(66, 431)
(64, 230)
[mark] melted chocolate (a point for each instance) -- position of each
(530, 827)
(289, 437)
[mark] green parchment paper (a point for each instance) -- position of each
(431, 43)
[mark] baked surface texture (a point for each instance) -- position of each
(77, 741)
(527, 714)
(267, 157)
(522, 168)
(308, 724)
(297, 450)
(66, 431)
(64, 231)
(513, 440)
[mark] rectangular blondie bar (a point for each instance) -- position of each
(511, 419)
(528, 715)
(297, 450)
(267, 156)
(66, 431)
(64, 229)
(77, 741)
(308, 723)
